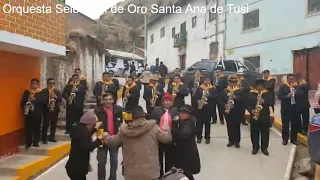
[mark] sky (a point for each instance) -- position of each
(92, 8)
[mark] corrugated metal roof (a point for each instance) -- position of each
(124, 54)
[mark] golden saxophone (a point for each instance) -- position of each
(72, 94)
(230, 102)
(52, 100)
(258, 107)
(197, 78)
(125, 98)
(239, 83)
(154, 96)
(28, 105)
(173, 92)
(203, 99)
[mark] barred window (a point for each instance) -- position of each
(173, 32)
(151, 39)
(162, 32)
(313, 6)
(251, 20)
(212, 16)
(252, 61)
(194, 22)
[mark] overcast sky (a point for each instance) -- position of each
(92, 8)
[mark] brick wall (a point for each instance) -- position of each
(47, 27)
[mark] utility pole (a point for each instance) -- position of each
(145, 38)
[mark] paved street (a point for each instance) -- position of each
(218, 161)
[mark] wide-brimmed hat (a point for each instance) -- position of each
(186, 108)
(233, 79)
(154, 77)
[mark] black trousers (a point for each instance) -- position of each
(260, 131)
(290, 117)
(73, 115)
(233, 127)
(166, 154)
(204, 119)
(33, 128)
(52, 119)
(242, 118)
(220, 111)
(304, 119)
(77, 176)
(148, 107)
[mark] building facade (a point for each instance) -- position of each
(24, 41)
(282, 36)
(181, 39)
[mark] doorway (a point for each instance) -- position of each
(182, 62)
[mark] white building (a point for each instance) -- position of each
(181, 39)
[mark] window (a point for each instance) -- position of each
(63, 1)
(162, 32)
(183, 27)
(253, 63)
(203, 65)
(173, 32)
(313, 6)
(212, 16)
(230, 66)
(194, 21)
(251, 20)
(151, 39)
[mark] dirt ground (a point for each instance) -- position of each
(301, 153)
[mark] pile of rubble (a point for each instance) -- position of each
(306, 168)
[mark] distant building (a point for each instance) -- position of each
(122, 58)
(181, 39)
(282, 36)
(79, 21)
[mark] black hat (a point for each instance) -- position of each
(219, 68)
(260, 81)
(186, 108)
(232, 79)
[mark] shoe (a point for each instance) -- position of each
(36, 145)
(213, 122)
(67, 132)
(199, 141)
(207, 141)
(265, 152)
(221, 122)
(45, 142)
(254, 151)
(28, 146)
(237, 145)
(294, 142)
(230, 144)
(284, 143)
(245, 123)
(52, 140)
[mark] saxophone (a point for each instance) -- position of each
(72, 94)
(52, 99)
(258, 107)
(230, 102)
(239, 83)
(28, 105)
(173, 93)
(154, 96)
(125, 98)
(197, 78)
(203, 99)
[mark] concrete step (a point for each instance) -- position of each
(60, 136)
(44, 149)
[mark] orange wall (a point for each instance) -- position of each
(16, 71)
(47, 27)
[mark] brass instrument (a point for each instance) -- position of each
(239, 83)
(258, 107)
(230, 102)
(154, 96)
(173, 92)
(99, 130)
(72, 94)
(125, 98)
(203, 99)
(292, 90)
(197, 78)
(52, 99)
(28, 105)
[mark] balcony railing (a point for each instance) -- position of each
(180, 39)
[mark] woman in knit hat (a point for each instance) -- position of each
(81, 145)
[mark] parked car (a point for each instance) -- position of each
(116, 69)
(208, 68)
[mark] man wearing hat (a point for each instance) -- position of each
(116, 82)
(221, 83)
(161, 78)
(243, 84)
(131, 94)
(233, 110)
(104, 86)
(165, 114)
(153, 92)
(260, 119)
(178, 90)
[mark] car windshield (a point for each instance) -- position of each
(202, 65)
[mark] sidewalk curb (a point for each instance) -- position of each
(33, 169)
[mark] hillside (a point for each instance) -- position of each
(120, 31)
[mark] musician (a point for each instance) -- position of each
(270, 86)
(162, 113)
(116, 82)
(193, 86)
(111, 117)
(162, 80)
(151, 90)
(303, 103)
(289, 112)
(179, 91)
(104, 86)
(244, 86)
(259, 128)
(177, 72)
(206, 96)
(74, 93)
(232, 117)
(131, 93)
(83, 79)
(33, 101)
(221, 84)
(51, 111)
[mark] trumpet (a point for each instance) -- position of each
(258, 107)
(203, 100)
(230, 103)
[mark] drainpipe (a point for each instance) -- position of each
(225, 32)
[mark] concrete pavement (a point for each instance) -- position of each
(217, 161)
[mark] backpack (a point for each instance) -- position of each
(175, 174)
